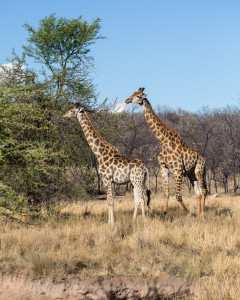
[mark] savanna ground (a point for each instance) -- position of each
(77, 242)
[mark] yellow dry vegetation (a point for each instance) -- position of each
(77, 241)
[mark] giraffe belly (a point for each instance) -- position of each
(188, 168)
(121, 178)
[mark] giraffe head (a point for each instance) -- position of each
(73, 111)
(137, 97)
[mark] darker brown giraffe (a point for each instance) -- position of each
(175, 156)
(113, 166)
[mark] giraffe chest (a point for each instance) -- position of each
(171, 159)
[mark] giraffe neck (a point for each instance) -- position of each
(163, 133)
(98, 145)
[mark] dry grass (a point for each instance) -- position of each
(79, 242)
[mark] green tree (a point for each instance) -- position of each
(62, 47)
(31, 158)
(44, 158)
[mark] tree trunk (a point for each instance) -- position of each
(235, 186)
(209, 184)
(156, 181)
(225, 185)
(215, 183)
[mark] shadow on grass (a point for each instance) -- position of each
(224, 212)
(216, 211)
(62, 217)
(173, 213)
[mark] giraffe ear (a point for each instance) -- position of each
(146, 95)
(77, 105)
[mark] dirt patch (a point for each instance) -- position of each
(20, 287)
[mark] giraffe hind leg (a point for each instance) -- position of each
(198, 192)
(139, 197)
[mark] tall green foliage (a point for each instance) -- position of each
(62, 47)
(30, 157)
(43, 158)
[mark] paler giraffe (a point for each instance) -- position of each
(113, 166)
(175, 156)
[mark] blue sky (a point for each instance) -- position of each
(186, 53)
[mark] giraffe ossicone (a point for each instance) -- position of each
(113, 166)
(175, 157)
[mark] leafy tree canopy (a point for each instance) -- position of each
(62, 47)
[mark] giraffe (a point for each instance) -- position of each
(113, 166)
(175, 156)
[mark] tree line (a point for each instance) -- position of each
(45, 159)
(216, 133)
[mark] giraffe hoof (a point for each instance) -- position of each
(164, 217)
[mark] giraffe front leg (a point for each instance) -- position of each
(178, 180)
(110, 200)
(165, 177)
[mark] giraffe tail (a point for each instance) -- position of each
(148, 198)
(148, 190)
(204, 181)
